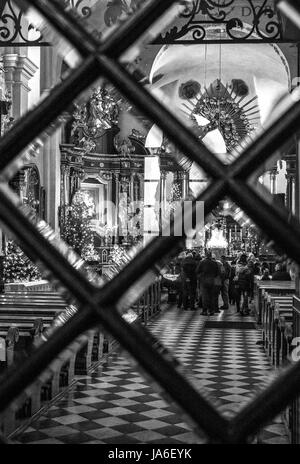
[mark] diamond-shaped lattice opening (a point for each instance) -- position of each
(26, 79)
(100, 304)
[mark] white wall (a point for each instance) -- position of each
(34, 54)
(281, 180)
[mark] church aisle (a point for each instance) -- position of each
(115, 405)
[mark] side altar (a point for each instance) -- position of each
(117, 172)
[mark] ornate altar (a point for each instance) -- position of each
(26, 183)
(112, 169)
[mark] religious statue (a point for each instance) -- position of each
(124, 146)
(93, 118)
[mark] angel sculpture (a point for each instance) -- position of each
(124, 147)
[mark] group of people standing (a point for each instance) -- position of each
(202, 280)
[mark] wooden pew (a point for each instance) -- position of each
(283, 316)
(277, 327)
(76, 359)
(269, 303)
(25, 310)
(280, 288)
(17, 341)
(286, 326)
(295, 413)
(148, 305)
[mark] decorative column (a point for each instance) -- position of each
(163, 192)
(141, 184)
(290, 190)
(131, 187)
(273, 180)
(136, 188)
(291, 182)
(50, 74)
(76, 176)
(17, 183)
(185, 184)
(288, 198)
(151, 186)
(18, 71)
(107, 179)
(117, 192)
(124, 193)
(293, 209)
(64, 192)
(71, 175)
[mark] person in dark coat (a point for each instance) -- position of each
(179, 282)
(208, 270)
(264, 266)
(242, 285)
(189, 281)
(217, 283)
(225, 282)
(266, 274)
(232, 283)
(252, 275)
(198, 292)
(280, 273)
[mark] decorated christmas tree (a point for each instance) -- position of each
(17, 266)
(174, 200)
(77, 230)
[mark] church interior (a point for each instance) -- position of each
(149, 222)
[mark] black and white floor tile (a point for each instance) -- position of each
(116, 405)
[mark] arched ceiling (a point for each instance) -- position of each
(262, 67)
(177, 64)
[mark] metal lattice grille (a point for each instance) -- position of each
(99, 306)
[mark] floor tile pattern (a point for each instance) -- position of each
(116, 405)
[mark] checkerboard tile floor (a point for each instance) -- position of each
(116, 405)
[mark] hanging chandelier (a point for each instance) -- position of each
(220, 107)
